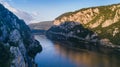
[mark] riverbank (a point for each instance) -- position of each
(77, 43)
(63, 56)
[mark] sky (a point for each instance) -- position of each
(33, 11)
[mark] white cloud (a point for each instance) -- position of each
(35, 13)
(21, 14)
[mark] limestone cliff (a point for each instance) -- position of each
(104, 20)
(17, 45)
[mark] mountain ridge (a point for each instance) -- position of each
(104, 20)
(83, 9)
(44, 25)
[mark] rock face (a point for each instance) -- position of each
(71, 30)
(104, 20)
(18, 46)
(79, 37)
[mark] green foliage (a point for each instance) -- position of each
(35, 49)
(107, 32)
(5, 56)
(103, 10)
(105, 13)
(0, 32)
(9, 22)
(13, 44)
(67, 28)
(65, 14)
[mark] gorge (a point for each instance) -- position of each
(88, 37)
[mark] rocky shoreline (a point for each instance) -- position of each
(91, 41)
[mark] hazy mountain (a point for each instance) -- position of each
(17, 46)
(45, 25)
(104, 20)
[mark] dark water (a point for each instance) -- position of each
(55, 55)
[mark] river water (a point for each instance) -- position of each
(55, 55)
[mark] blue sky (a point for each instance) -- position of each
(45, 10)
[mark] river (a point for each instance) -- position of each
(55, 55)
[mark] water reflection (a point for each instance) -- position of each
(87, 59)
(56, 55)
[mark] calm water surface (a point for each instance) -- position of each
(55, 55)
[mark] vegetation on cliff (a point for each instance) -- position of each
(104, 20)
(16, 41)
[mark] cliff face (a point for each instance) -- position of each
(71, 31)
(104, 20)
(75, 35)
(18, 46)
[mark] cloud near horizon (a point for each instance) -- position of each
(27, 17)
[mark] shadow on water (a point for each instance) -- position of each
(87, 58)
(56, 55)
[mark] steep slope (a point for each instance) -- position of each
(17, 46)
(76, 36)
(104, 20)
(71, 31)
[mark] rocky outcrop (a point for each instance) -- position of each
(18, 46)
(73, 32)
(104, 20)
(81, 37)
(103, 15)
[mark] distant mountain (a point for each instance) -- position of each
(104, 20)
(45, 25)
(17, 45)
